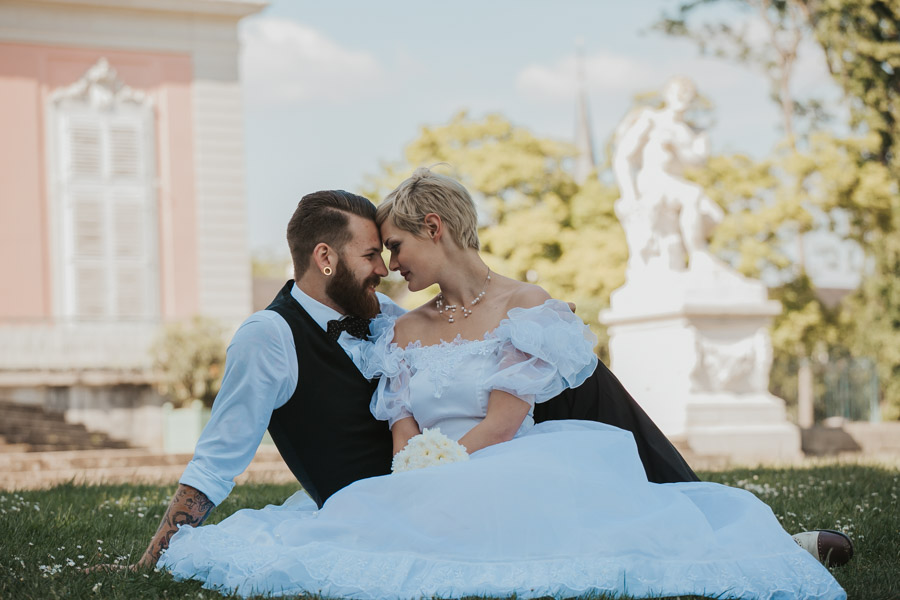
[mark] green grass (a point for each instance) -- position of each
(48, 536)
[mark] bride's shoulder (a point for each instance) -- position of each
(525, 295)
(411, 326)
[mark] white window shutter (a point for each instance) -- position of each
(125, 150)
(84, 149)
(91, 290)
(130, 252)
(106, 182)
(88, 227)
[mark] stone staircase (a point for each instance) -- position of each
(25, 428)
(40, 449)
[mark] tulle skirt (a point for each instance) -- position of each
(563, 510)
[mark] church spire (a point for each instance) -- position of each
(584, 141)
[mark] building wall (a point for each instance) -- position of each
(28, 74)
(184, 54)
(206, 31)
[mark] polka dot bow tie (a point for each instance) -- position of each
(355, 326)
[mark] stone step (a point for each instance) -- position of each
(8, 447)
(107, 459)
(58, 433)
(9, 412)
(15, 407)
(39, 430)
(79, 433)
(35, 422)
(31, 470)
(63, 440)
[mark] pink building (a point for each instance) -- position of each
(121, 195)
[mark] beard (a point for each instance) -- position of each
(352, 295)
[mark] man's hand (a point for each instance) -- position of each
(189, 506)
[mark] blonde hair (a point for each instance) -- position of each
(426, 192)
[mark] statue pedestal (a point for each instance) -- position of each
(693, 349)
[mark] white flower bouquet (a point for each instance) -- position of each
(429, 448)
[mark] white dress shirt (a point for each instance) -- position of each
(260, 377)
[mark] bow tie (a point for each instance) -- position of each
(355, 326)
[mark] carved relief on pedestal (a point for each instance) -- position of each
(739, 366)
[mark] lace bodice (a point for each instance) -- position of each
(534, 354)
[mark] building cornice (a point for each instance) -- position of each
(236, 9)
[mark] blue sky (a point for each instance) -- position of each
(333, 89)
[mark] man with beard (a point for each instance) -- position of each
(284, 371)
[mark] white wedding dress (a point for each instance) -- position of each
(564, 509)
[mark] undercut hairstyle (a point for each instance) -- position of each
(428, 192)
(321, 217)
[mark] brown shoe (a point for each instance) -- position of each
(831, 548)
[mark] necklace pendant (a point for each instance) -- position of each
(451, 308)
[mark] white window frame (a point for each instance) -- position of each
(101, 100)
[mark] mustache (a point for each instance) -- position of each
(373, 280)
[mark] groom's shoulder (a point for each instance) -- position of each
(264, 327)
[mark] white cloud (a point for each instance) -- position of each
(604, 72)
(285, 62)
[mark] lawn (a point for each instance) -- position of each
(48, 536)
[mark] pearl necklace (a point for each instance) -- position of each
(451, 308)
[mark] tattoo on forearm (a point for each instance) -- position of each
(188, 507)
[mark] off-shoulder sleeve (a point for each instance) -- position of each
(544, 350)
(379, 357)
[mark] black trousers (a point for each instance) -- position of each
(603, 398)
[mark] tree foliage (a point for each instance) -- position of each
(861, 40)
(784, 26)
(848, 185)
(537, 224)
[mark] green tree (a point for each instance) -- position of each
(785, 25)
(848, 185)
(861, 40)
(537, 224)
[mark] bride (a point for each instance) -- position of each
(561, 508)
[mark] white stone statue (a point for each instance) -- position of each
(666, 218)
(688, 334)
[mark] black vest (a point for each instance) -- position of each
(325, 432)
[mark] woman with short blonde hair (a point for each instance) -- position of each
(427, 192)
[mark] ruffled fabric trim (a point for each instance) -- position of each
(372, 356)
(379, 357)
(540, 351)
(229, 564)
(543, 350)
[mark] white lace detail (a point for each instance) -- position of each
(441, 362)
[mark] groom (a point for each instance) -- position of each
(286, 372)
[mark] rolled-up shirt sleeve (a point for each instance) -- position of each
(260, 376)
